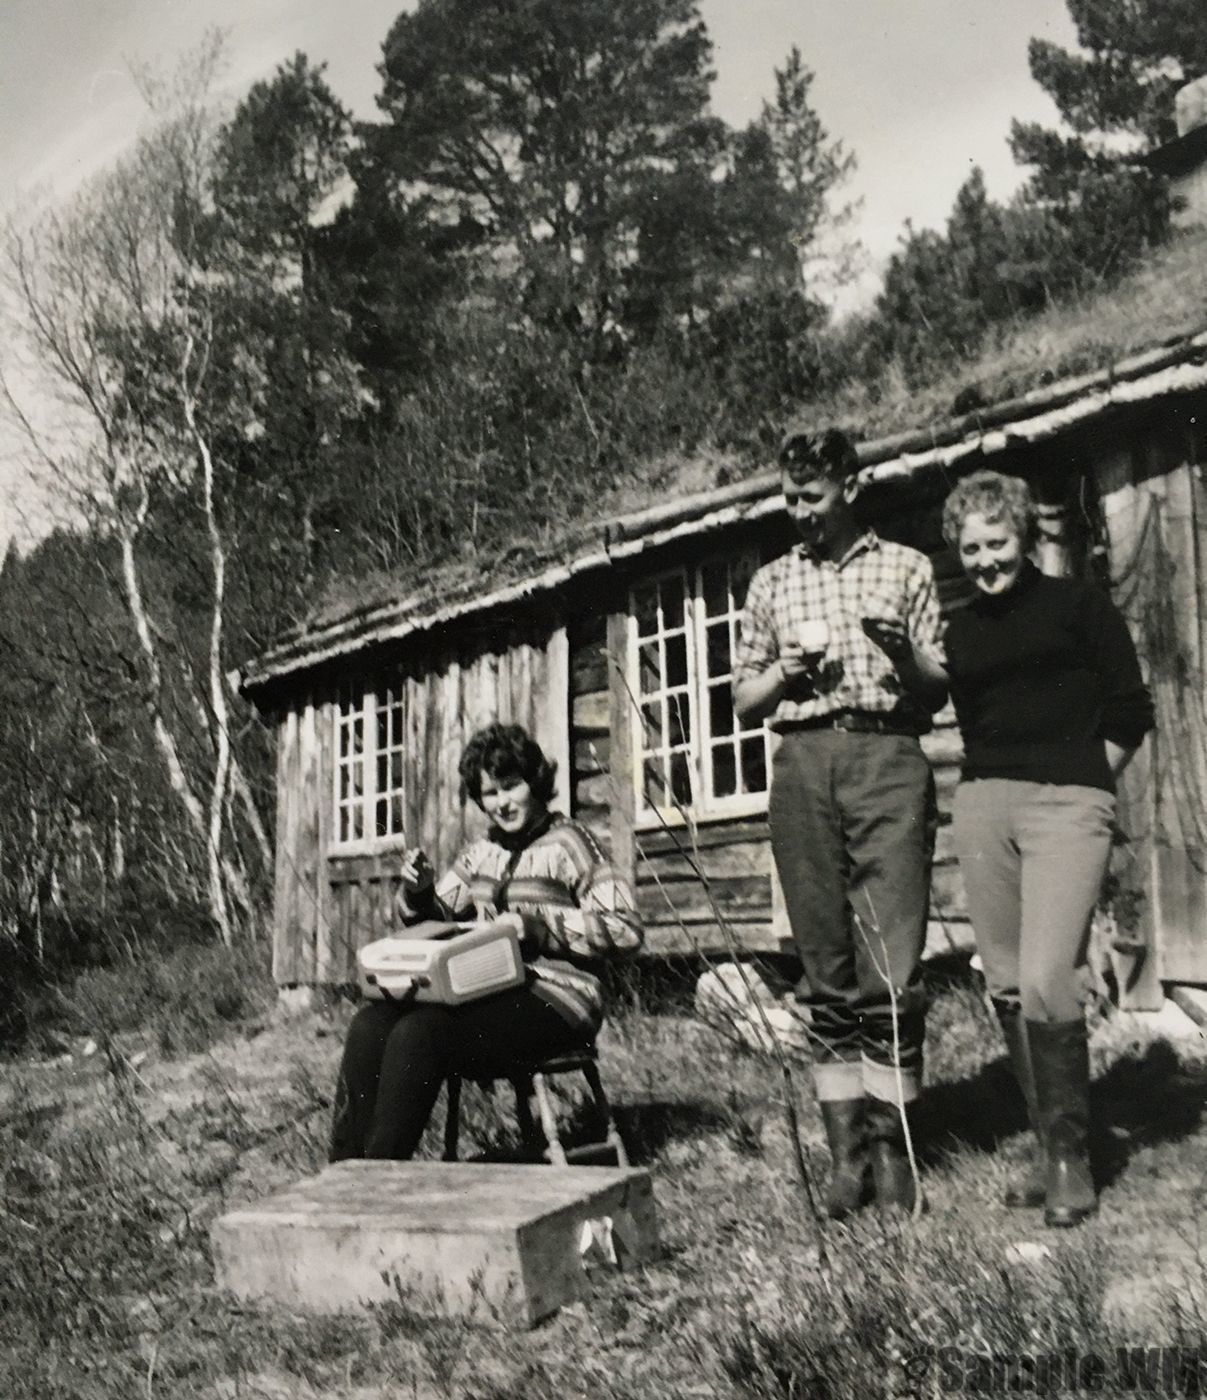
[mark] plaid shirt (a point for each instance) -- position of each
(873, 576)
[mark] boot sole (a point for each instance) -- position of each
(1068, 1219)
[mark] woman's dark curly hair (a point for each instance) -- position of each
(505, 751)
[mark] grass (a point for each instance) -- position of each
(1162, 301)
(114, 1170)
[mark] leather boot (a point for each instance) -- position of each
(1060, 1061)
(892, 1177)
(1028, 1188)
(850, 1185)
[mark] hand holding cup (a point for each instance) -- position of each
(803, 656)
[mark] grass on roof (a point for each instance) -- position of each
(1161, 302)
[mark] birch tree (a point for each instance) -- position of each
(124, 301)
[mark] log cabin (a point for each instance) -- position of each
(615, 651)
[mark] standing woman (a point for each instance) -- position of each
(1051, 706)
(548, 874)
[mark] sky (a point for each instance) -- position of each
(919, 90)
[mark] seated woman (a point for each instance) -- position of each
(1051, 707)
(569, 907)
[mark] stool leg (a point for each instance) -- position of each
(603, 1112)
(452, 1116)
(557, 1153)
(530, 1134)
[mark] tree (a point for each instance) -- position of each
(125, 305)
(536, 122)
(1103, 207)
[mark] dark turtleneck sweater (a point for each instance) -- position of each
(1041, 676)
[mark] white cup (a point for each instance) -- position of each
(814, 637)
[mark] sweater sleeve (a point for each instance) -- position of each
(603, 921)
(1127, 707)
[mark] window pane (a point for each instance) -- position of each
(652, 723)
(649, 669)
(720, 710)
(718, 649)
(655, 781)
(383, 816)
(724, 771)
(671, 591)
(676, 660)
(715, 586)
(645, 610)
(679, 719)
(681, 785)
(740, 573)
(754, 764)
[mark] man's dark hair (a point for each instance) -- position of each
(505, 751)
(829, 454)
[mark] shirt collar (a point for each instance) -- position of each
(867, 541)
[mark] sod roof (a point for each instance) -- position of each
(1141, 338)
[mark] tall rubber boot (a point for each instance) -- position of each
(1029, 1188)
(850, 1185)
(892, 1178)
(1060, 1062)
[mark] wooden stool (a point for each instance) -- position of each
(529, 1078)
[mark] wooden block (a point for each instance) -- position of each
(464, 1237)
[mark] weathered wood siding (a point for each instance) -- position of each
(301, 898)
(1155, 508)
(329, 902)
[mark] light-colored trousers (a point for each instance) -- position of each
(1033, 857)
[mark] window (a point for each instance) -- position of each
(369, 782)
(691, 751)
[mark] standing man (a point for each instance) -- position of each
(840, 651)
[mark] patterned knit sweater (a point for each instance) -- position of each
(574, 905)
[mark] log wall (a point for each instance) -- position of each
(1155, 507)
(330, 901)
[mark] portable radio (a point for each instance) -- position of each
(445, 963)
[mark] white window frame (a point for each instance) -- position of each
(357, 708)
(703, 805)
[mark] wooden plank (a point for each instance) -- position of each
(716, 862)
(947, 897)
(596, 791)
(598, 821)
(369, 865)
(588, 659)
(591, 713)
(943, 746)
(708, 940)
(308, 852)
(551, 721)
(286, 877)
(451, 820)
(591, 754)
(744, 896)
(330, 961)
(708, 836)
(620, 726)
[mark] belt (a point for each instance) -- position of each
(854, 721)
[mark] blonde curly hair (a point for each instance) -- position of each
(996, 497)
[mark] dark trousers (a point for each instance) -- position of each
(852, 830)
(396, 1058)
